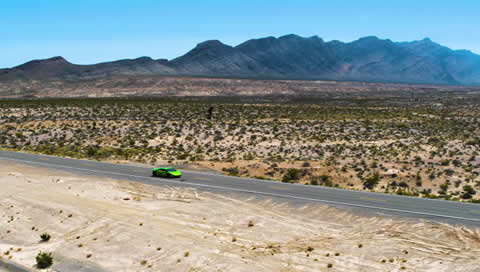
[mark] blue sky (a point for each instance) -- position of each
(89, 31)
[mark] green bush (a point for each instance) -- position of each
(233, 171)
(45, 237)
(469, 189)
(371, 181)
(468, 192)
(44, 260)
(326, 180)
(445, 162)
(292, 175)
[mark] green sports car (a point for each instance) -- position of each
(166, 172)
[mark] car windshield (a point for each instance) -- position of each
(171, 170)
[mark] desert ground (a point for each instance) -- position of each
(426, 146)
(180, 86)
(112, 225)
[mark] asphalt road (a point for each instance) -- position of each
(356, 201)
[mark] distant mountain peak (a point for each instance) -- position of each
(286, 57)
(290, 37)
(369, 38)
(35, 64)
(315, 37)
(55, 60)
(144, 58)
(427, 41)
(212, 43)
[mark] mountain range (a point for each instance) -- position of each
(286, 57)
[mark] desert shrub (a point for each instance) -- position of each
(183, 156)
(45, 237)
(326, 180)
(234, 171)
(475, 141)
(418, 181)
(44, 260)
(405, 193)
(371, 181)
(292, 175)
(249, 156)
(469, 189)
(445, 162)
(444, 188)
(468, 192)
(449, 172)
(91, 151)
(457, 163)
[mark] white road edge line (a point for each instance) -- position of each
(250, 192)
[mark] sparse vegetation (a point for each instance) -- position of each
(380, 144)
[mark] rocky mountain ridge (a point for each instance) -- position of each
(287, 57)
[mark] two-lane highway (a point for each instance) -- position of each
(358, 201)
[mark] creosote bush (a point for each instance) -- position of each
(45, 237)
(292, 175)
(371, 181)
(44, 260)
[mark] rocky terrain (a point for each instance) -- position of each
(286, 57)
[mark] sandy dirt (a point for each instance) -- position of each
(110, 225)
